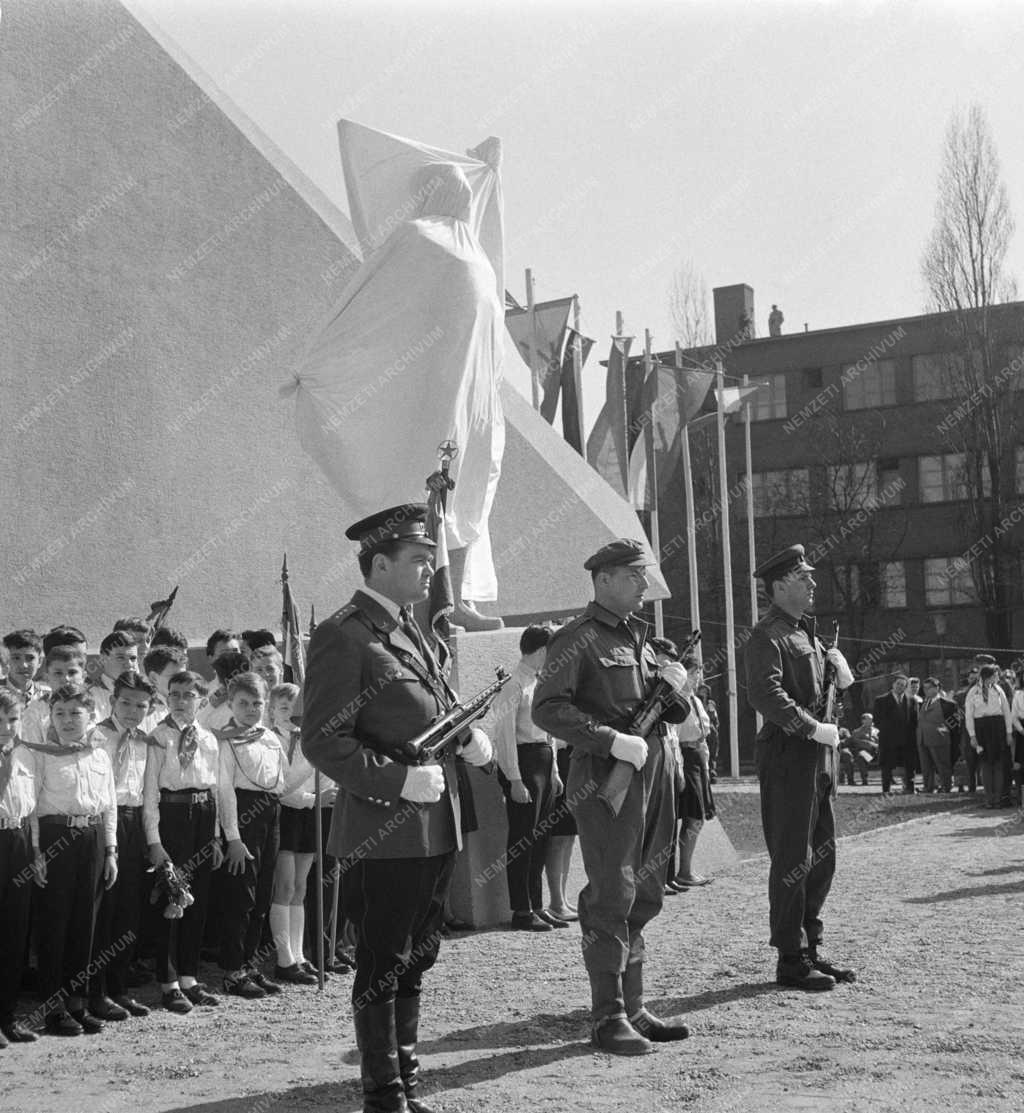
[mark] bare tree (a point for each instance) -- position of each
(964, 270)
(688, 302)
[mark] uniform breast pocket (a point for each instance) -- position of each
(621, 679)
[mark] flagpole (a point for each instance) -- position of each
(620, 327)
(652, 476)
(691, 522)
(730, 621)
(577, 372)
(532, 313)
(750, 519)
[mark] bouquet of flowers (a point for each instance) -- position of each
(171, 883)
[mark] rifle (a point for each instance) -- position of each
(646, 717)
(829, 694)
(434, 743)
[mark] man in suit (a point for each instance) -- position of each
(373, 681)
(896, 719)
(938, 726)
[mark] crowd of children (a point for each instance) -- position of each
(143, 813)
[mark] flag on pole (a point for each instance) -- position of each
(608, 444)
(158, 610)
(541, 342)
(291, 635)
(734, 397)
(441, 600)
(572, 398)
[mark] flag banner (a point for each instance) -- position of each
(541, 345)
(608, 444)
(733, 397)
(158, 611)
(572, 393)
(293, 651)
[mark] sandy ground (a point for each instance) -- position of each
(931, 912)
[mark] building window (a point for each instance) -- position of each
(944, 478)
(780, 492)
(890, 482)
(892, 585)
(935, 376)
(846, 587)
(769, 402)
(874, 386)
(852, 486)
(812, 378)
(947, 583)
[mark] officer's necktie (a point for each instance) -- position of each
(6, 763)
(412, 632)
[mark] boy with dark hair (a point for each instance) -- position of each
(180, 818)
(166, 636)
(24, 656)
(65, 664)
(215, 712)
(17, 803)
(259, 639)
(159, 665)
(138, 629)
(117, 928)
(119, 653)
(251, 780)
(221, 642)
(64, 635)
(76, 806)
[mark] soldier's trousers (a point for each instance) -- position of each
(799, 830)
(626, 857)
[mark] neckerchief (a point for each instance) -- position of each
(6, 765)
(239, 737)
(54, 739)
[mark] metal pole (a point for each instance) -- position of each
(534, 381)
(730, 621)
(750, 520)
(691, 523)
(319, 824)
(652, 479)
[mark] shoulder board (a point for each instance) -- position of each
(350, 609)
(572, 624)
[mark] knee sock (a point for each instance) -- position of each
(280, 933)
(297, 926)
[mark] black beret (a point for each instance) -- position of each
(780, 565)
(398, 523)
(624, 550)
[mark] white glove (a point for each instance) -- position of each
(423, 784)
(676, 675)
(477, 750)
(844, 677)
(631, 748)
(827, 733)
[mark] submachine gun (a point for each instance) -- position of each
(645, 719)
(447, 732)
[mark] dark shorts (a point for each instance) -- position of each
(298, 830)
(561, 820)
(695, 801)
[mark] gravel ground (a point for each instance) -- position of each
(930, 912)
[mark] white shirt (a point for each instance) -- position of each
(129, 775)
(77, 782)
(512, 722)
(257, 765)
(164, 771)
(18, 800)
(300, 776)
(977, 707)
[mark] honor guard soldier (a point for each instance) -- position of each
(599, 670)
(374, 680)
(797, 767)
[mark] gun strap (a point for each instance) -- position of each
(437, 685)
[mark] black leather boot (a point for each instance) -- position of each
(407, 1022)
(645, 1022)
(378, 1054)
(611, 1031)
(819, 962)
(797, 971)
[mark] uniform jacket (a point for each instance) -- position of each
(785, 674)
(896, 721)
(365, 690)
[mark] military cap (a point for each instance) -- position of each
(399, 523)
(624, 551)
(779, 566)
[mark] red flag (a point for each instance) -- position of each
(291, 635)
(441, 601)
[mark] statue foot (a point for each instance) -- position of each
(467, 616)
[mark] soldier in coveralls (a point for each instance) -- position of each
(797, 766)
(598, 670)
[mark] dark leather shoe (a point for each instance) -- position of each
(798, 972)
(174, 1001)
(243, 987)
(529, 921)
(17, 1032)
(106, 1009)
(198, 994)
(133, 1006)
(294, 975)
(63, 1024)
(618, 1037)
(265, 983)
(839, 973)
(658, 1031)
(90, 1025)
(554, 921)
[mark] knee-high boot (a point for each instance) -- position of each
(407, 1022)
(378, 1055)
(645, 1022)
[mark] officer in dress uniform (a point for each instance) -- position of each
(599, 668)
(374, 680)
(797, 767)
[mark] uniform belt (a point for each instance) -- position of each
(128, 811)
(258, 792)
(13, 824)
(70, 820)
(189, 796)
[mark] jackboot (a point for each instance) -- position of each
(466, 615)
(611, 1031)
(378, 1058)
(407, 1022)
(643, 1020)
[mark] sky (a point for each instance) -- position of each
(794, 147)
